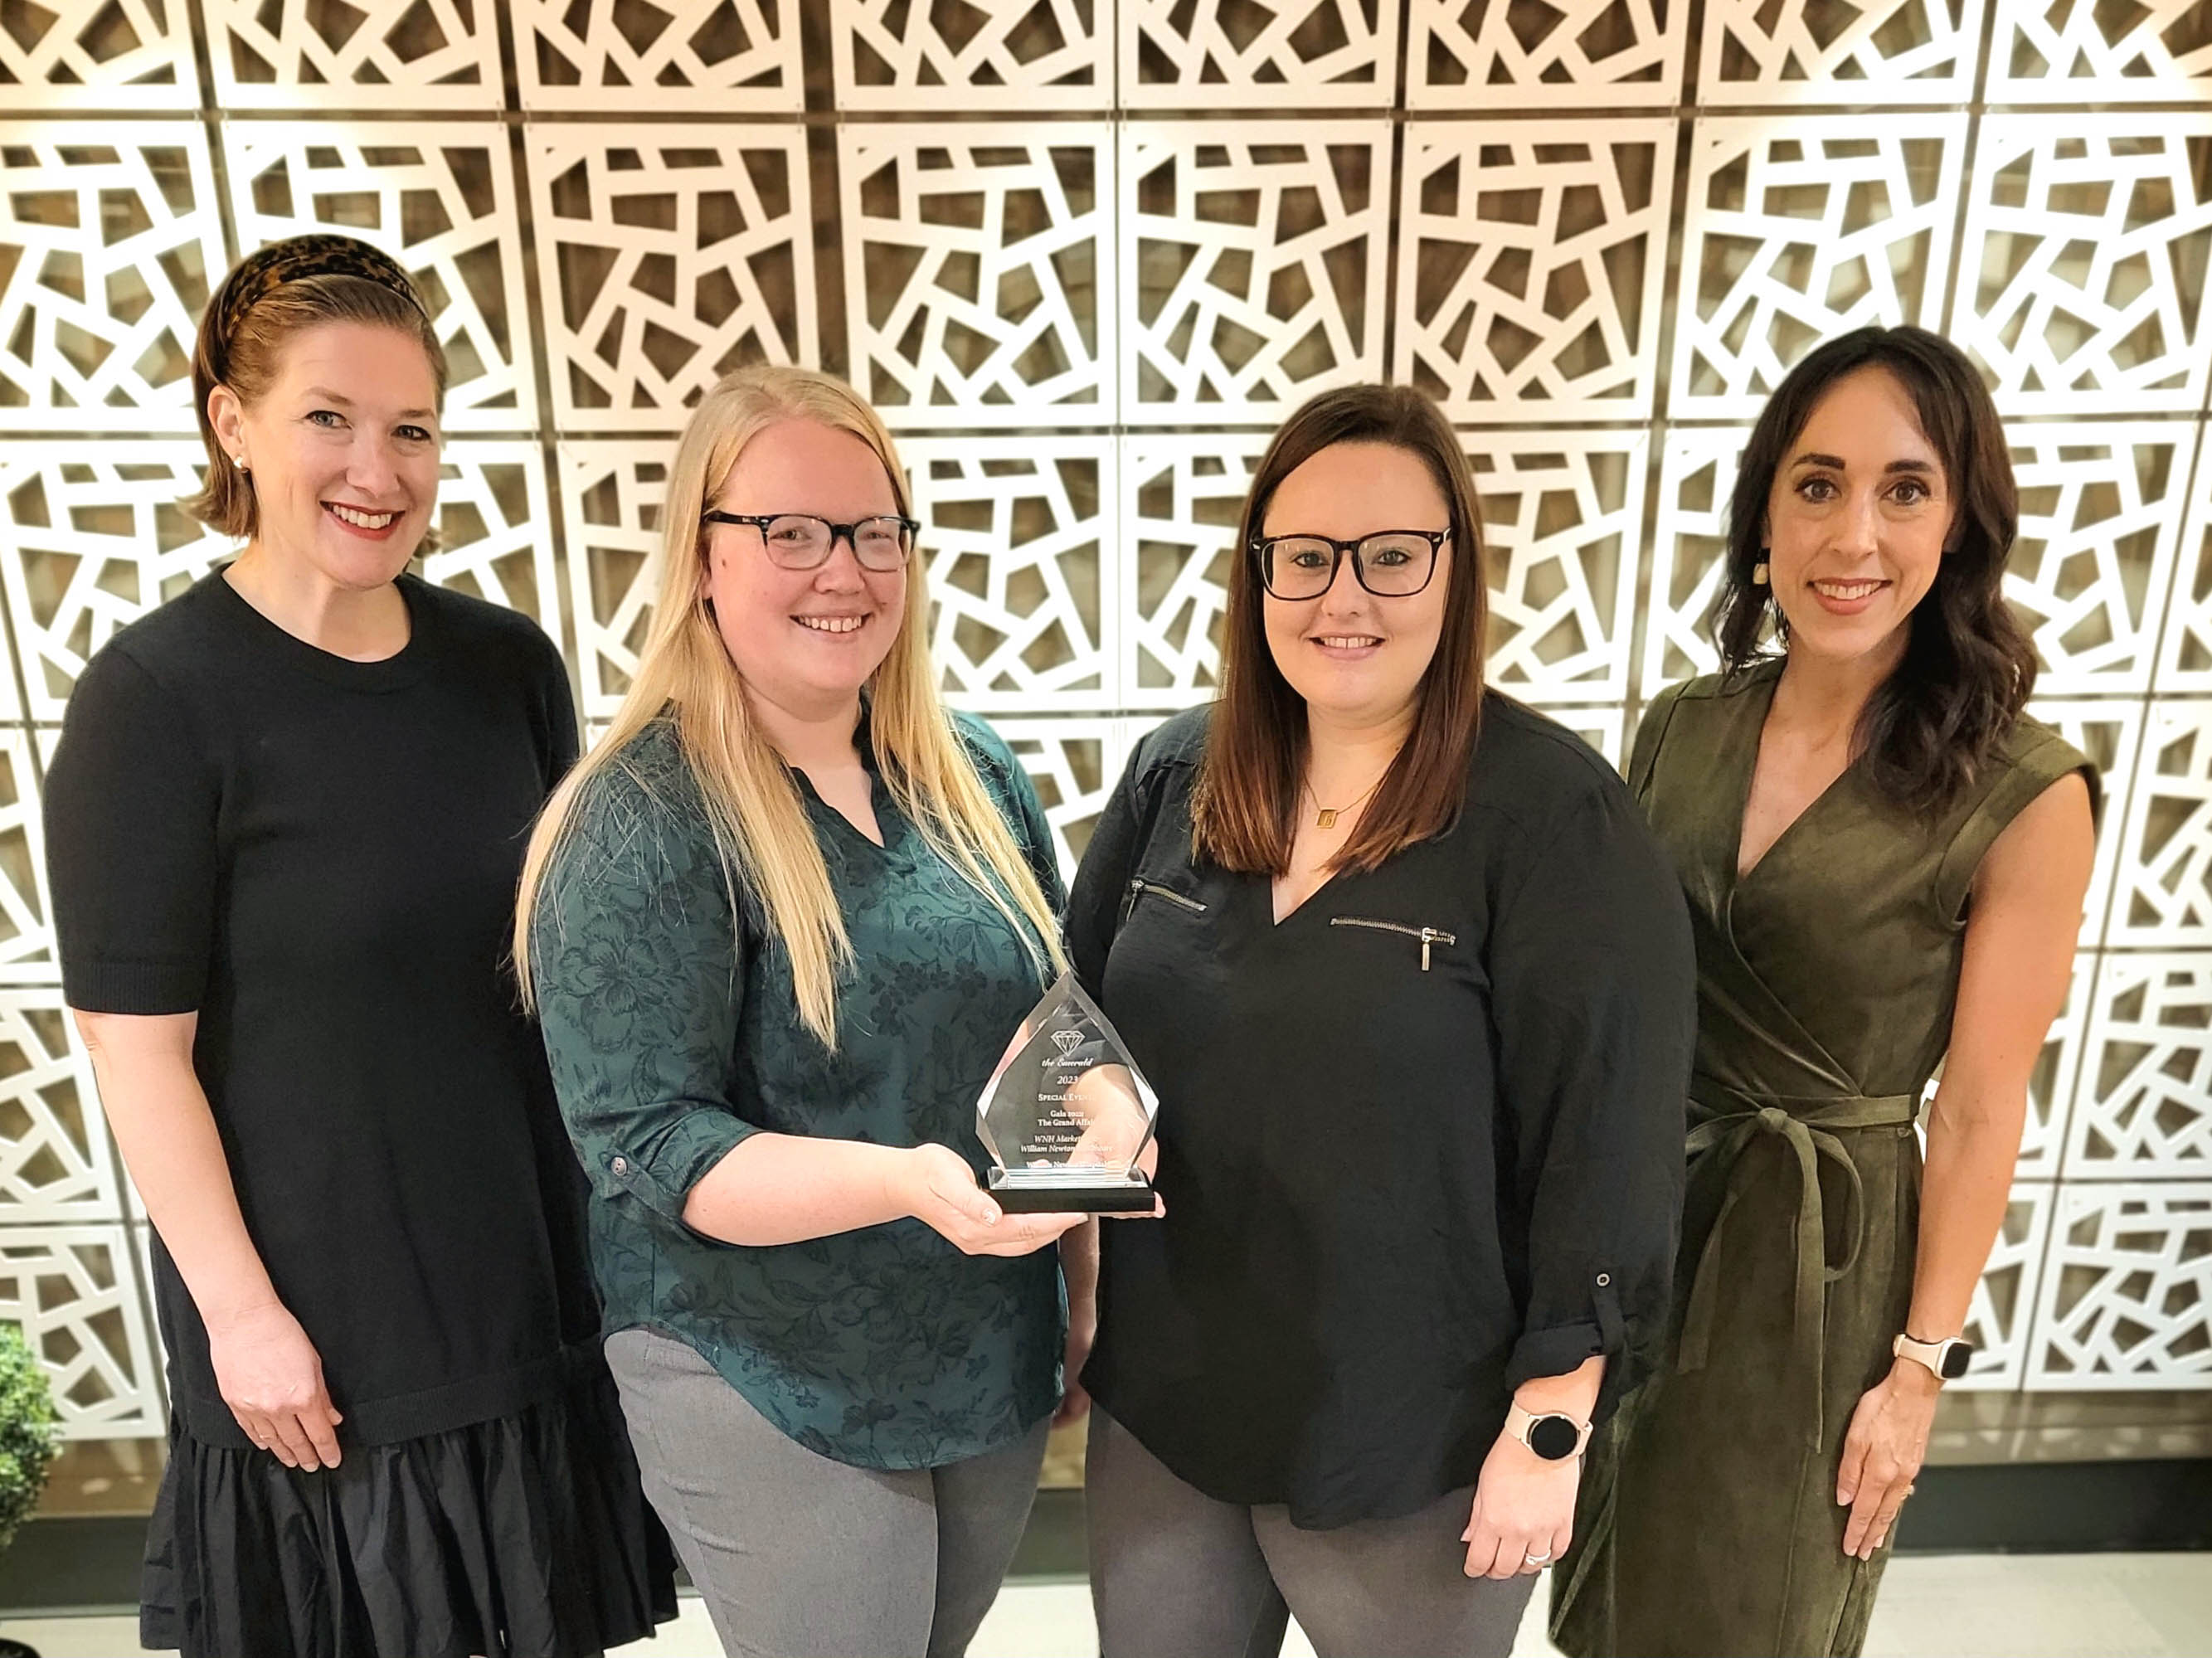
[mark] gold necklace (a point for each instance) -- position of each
(1325, 816)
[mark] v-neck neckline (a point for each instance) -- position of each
(1276, 923)
(1739, 876)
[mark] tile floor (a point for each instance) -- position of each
(2072, 1606)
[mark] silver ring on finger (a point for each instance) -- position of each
(1535, 1559)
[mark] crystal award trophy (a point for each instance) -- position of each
(1066, 1114)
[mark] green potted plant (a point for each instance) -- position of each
(27, 1442)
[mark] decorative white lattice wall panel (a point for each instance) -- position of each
(1252, 265)
(73, 1289)
(1182, 497)
(611, 496)
(979, 271)
(318, 55)
(2061, 51)
(689, 57)
(440, 199)
(1283, 55)
(977, 55)
(111, 244)
(1562, 524)
(92, 539)
(1603, 729)
(2126, 1299)
(495, 529)
(2053, 1085)
(2164, 896)
(2082, 275)
(1810, 52)
(2108, 730)
(1530, 263)
(55, 1160)
(2145, 1109)
(1796, 228)
(1697, 470)
(1074, 764)
(2185, 659)
(1491, 55)
(124, 55)
(2004, 1295)
(1024, 569)
(668, 256)
(2090, 571)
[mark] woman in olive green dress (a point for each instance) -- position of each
(1884, 861)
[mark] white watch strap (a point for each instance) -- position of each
(1518, 1422)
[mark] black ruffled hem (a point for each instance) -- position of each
(526, 1536)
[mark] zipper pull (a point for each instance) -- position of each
(1428, 937)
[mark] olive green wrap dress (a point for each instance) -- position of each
(1826, 980)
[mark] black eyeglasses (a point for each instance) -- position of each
(1390, 563)
(800, 541)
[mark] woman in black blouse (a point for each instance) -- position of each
(1415, 989)
(284, 825)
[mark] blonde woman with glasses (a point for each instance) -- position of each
(779, 925)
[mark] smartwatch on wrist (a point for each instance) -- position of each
(1553, 1436)
(1947, 1360)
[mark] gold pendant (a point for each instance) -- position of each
(1327, 818)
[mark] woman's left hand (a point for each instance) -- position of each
(1524, 1511)
(1082, 1328)
(1882, 1452)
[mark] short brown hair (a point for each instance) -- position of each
(1244, 805)
(270, 298)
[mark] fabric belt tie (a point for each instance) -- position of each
(1809, 1127)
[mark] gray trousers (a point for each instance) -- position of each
(800, 1557)
(1174, 1574)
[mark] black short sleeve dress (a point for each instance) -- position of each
(319, 858)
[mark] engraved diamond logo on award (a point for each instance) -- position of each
(1068, 1113)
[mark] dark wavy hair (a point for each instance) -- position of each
(1245, 799)
(1969, 666)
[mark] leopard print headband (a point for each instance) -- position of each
(261, 273)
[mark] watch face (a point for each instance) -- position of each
(1956, 1358)
(1554, 1437)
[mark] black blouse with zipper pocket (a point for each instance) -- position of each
(1419, 1141)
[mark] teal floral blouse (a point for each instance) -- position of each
(674, 1033)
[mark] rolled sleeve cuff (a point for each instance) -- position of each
(1557, 1350)
(661, 1175)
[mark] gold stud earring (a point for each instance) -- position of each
(1758, 573)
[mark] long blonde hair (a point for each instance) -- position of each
(753, 805)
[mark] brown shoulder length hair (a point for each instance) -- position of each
(1244, 802)
(1969, 666)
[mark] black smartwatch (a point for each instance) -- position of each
(1553, 1436)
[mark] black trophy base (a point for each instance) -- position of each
(1017, 1196)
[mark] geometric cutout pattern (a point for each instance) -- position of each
(439, 200)
(91, 539)
(2126, 1297)
(2057, 52)
(668, 256)
(127, 54)
(1492, 55)
(55, 1163)
(1182, 497)
(495, 531)
(1074, 765)
(27, 931)
(1019, 536)
(2082, 271)
(979, 271)
(1797, 229)
(896, 55)
(611, 496)
(1530, 265)
(2147, 1109)
(2185, 660)
(313, 55)
(694, 56)
(1252, 263)
(109, 244)
(2089, 572)
(2004, 1295)
(74, 1291)
(2108, 730)
(1889, 52)
(1298, 54)
(1562, 519)
(2165, 895)
(1602, 728)
(1697, 471)
(2051, 1084)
